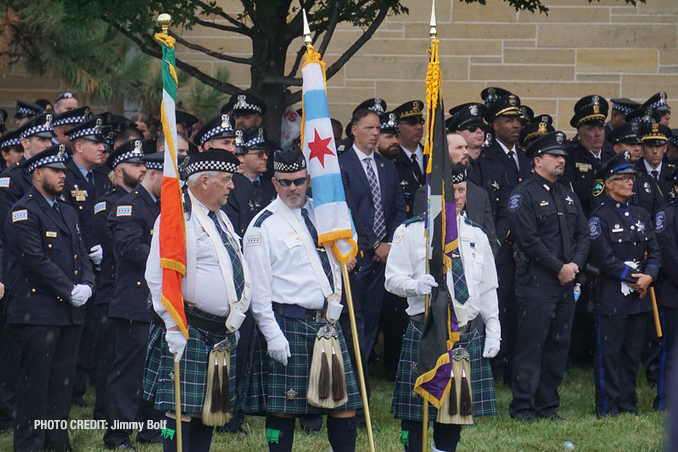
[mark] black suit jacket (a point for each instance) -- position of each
(409, 182)
(246, 200)
(479, 210)
(105, 277)
(359, 196)
(47, 258)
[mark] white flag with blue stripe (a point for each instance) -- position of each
(334, 224)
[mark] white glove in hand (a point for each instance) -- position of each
(491, 347)
(176, 341)
(279, 349)
(625, 289)
(96, 253)
(80, 294)
(425, 284)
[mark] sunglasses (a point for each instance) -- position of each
(473, 128)
(66, 95)
(260, 153)
(288, 183)
(624, 179)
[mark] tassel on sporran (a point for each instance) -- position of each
(457, 407)
(326, 383)
(216, 409)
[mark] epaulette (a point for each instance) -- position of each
(262, 217)
(474, 224)
(415, 219)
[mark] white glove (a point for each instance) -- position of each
(96, 253)
(176, 341)
(80, 294)
(425, 284)
(625, 289)
(491, 347)
(279, 349)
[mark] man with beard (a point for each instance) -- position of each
(551, 234)
(50, 278)
(128, 168)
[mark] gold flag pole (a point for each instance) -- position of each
(433, 32)
(349, 298)
(164, 21)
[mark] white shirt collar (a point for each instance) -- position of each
(649, 168)
(361, 155)
(507, 150)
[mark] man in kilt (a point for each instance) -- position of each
(406, 276)
(216, 296)
(295, 278)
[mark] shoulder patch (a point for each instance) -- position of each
(660, 222)
(514, 202)
(253, 240)
(4, 182)
(398, 237)
(99, 207)
(414, 219)
(262, 217)
(19, 215)
(598, 187)
(594, 228)
(123, 211)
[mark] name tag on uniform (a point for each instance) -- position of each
(50, 234)
(4, 182)
(79, 195)
(584, 167)
(123, 211)
(19, 215)
(543, 203)
(618, 230)
(99, 207)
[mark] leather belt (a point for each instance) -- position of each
(419, 318)
(294, 311)
(204, 320)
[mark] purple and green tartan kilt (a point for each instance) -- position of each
(158, 385)
(407, 404)
(275, 388)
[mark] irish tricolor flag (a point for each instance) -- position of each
(172, 224)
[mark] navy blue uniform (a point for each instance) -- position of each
(247, 199)
(546, 308)
(645, 194)
(131, 223)
(411, 178)
(664, 186)
(620, 232)
(666, 228)
(15, 181)
(581, 170)
(47, 258)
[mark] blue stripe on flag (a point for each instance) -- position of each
(315, 104)
(327, 188)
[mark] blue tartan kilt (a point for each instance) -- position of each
(275, 388)
(158, 384)
(407, 404)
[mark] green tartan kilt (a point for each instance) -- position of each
(275, 388)
(158, 385)
(407, 404)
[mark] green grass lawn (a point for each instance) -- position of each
(624, 433)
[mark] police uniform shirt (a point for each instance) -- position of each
(666, 229)
(580, 170)
(622, 232)
(419, 156)
(406, 263)
(534, 219)
(15, 182)
(247, 199)
(645, 194)
(275, 252)
(664, 186)
(205, 286)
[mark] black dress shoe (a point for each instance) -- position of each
(122, 446)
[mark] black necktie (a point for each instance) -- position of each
(415, 167)
(562, 219)
(55, 206)
(324, 260)
(90, 179)
(513, 160)
(256, 183)
(655, 174)
(236, 263)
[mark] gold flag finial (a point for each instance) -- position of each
(307, 31)
(164, 20)
(433, 31)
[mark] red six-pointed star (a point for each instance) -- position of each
(319, 148)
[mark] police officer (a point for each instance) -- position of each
(411, 162)
(131, 223)
(624, 248)
(67, 119)
(3, 120)
(539, 126)
(216, 290)
(296, 281)
(621, 106)
(247, 110)
(128, 169)
(549, 229)
(655, 139)
(11, 149)
(406, 276)
(218, 132)
(658, 103)
(467, 121)
(25, 111)
(666, 229)
(50, 278)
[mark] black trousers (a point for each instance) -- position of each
(618, 348)
(86, 363)
(669, 321)
(394, 322)
(502, 364)
(123, 392)
(9, 374)
(104, 353)
(47, 356)
(370, 279)
(546, 312)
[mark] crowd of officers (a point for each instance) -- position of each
(579, 230)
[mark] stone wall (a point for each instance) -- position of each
(605, 48)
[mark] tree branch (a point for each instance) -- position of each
(228, 28)
(330, 29)
(296, 23)
(366, 36)
(212, 53)
(244, 29)
(300, 55)
(249, 9)
(287, 81)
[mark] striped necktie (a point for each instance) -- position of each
(379, 227)
(236, 263)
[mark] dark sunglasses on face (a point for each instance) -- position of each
(288, 183)
(473, 128)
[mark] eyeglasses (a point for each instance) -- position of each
(258, 152)
(473, 128)
(288, 183)
(66, 95)
(624, 179)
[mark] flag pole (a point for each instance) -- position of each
(349, 299)
(164, 21)
(433, 32)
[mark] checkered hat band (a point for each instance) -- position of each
(68, 121)
(46, 161)
(210, 165)
(254, 142)
(127, 155)
(154, 165)
(84, 133)
(289, 168)
(657, 104)
(246, 106)
(10, 142)
(645, 120)
(35, 129)
(214, 132)
(623, 108)
(25, 111)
